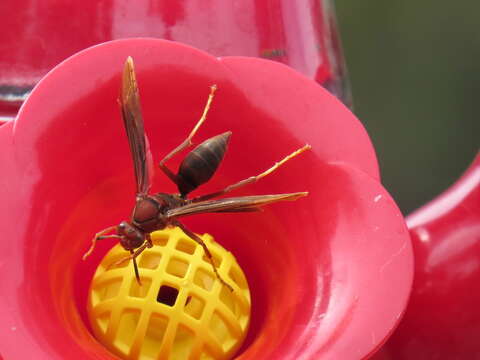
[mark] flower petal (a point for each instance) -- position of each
(329, 274)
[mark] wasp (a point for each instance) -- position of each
(157, 211)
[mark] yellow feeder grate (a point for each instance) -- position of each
(181, 311)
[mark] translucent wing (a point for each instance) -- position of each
(133, 121)
(235, 204)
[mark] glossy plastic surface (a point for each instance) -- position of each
(443, 317)
(38, 34)
(180, 311)
(329, 274)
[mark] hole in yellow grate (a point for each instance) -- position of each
(186, 246)
(238, 278)
(167, 295)
(108, 290)
(182, 344)
(103, 320)
(221, 331)
(126, 328)
(120, 256)
(194, 306)
(227, 297)
(150, 260)
(140, 291)
(206, 354)
(159, 238)
(177, 267)
(203, 279)
(157, 326)
(217, 260)
(168, 316)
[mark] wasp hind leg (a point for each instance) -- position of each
(252, 179)
(188, 141)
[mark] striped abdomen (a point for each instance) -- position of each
(201, 163)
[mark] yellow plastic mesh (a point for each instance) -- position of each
(181, 311)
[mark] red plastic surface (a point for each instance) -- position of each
(329, 274)
(443, 317)
(37, 35)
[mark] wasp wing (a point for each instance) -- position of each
(133, 121)
(235, 204)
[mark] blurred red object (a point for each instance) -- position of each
(38, 34)
(329, 274)
(442, 320)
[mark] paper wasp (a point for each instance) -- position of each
(157, 211)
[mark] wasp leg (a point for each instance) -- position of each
(135, 269)
(148, 244)
(188, 141)
(99, 236)
(149, 241)
(198, 240)
(252, 179)
(130, 257)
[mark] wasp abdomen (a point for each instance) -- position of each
(201, 163)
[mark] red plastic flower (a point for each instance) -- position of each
(329, 274)
(442, 320)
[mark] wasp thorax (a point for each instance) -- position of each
(131, 236)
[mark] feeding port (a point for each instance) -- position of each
(180, 310)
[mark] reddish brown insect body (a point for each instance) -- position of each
(157, 211)
(199, 165)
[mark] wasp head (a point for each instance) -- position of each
(131, 236)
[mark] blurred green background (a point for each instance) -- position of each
(414, 69)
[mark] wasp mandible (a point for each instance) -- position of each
(157, 211)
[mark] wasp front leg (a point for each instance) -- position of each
(148, 240)
(100, 236)
(133, 256)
